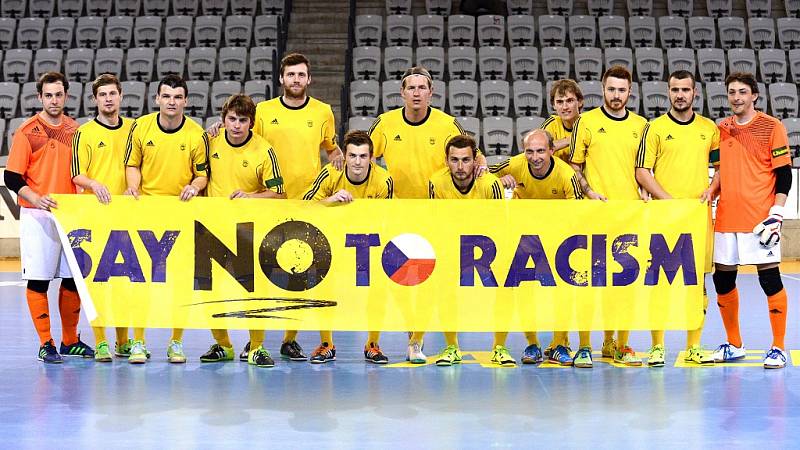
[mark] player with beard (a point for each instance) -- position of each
(567, 100)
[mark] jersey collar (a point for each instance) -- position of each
(414, 124)
(369, 172)
(549, 171)
(469, 188)
(308, 99)
(674, 119)
(247, 139)
(158, 122)
(618, 119)
(119, 124)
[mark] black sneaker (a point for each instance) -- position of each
(218, 353)
(48, 353)
(78, 349)
(374, 355)
(292, 350)
(260, 358)
(323, 354)
(245, 353)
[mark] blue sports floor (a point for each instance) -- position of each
(353, 404)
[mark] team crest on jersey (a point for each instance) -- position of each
(150, 144)
(636, 135)
(601, 130)
(702, 136)
(397, 138)
(554, 191)
(274, 121)
(215, 156)
(310, 123)
(669, 137)
(183, 147)
(101, 144)
(432, 141)
(245, 163)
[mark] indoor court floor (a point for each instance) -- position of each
(352, 404)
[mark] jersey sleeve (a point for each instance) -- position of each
(713, 153)
(389, 188)
(200, 156)
(581, 138)
(779, 142)
(329, 131)
(378, 138)
(258, 127)
(496, 190)
(320, 188)
(572, 188)
(270, 173)
(133, 148)
(648, 149)
(19, 155)
(501, 169)
(431, 190)
(81, 154)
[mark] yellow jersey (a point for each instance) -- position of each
(441, 186)
(560, 182)
(98, 152)
(250, 166)
(297, 134)
(169, 160)
(555, 126)
(330, 180)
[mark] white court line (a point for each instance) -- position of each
(790, 277)
(13, 283)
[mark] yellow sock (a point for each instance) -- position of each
(608, 335)
(326, 336)
(99, 335)
(290, 335)
(693, 336)
(559, 338)
(532, 337)
(122, 335)
(177, 334)
(585, 338)
(658, 337)
(372, 338)
(256, 339)
(417, 336)
(451, 338)
(222, 338)
(500, 338)
(138, 334)
(622, 338)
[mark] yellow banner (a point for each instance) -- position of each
(391, 265)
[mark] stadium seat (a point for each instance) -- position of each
(258, 90)
(88, 106)
(680, 8)
(672, 31)
(9, 99)
(98, 8)
(719, 8)
(792, 8)
(430, 31)
(789, 33)
(399, 30)
(261, 59)
(12, 8)
(3, 151)
(47, 60)
(492, 63)
(702, 32)
(491, 30)
(133, 99)
(559, 7)
(155, 7)
(588, 63)
(742, 60)
(552, 31)
(238, 31)
(395, 61)
(472, 125)
(699, 99)
(78, 65)
(244, 7)
(681, 59)
(391, 97)
(232, 63)
(72, 105)
(139, 64)
(762, 32)
(498, 135)
(592, 94)
(17, 65)
(29, 100)
(461, 31)
(196, 98)
(792, 125)
(274, 7)
(463, 97)
(495, 98)
(208, 31)
(59, 32)
(640, 8)
(109, 60)
(521, 31)
(432, 58)
(170, 60)
(761, 101)
(613, 31)
(364, 97)
(528, 98)
(717, 100)
(555, 62)
(361, 123)
(731, 32)
(178, 31)
(70, 8)
(525, 125)
(711, 64)
(619, 56)
(783, 98)
(366, 63)
(582, 31)
(524, 62)
(89, 32)
(794, 64)
(266, 30)
(214, 7)
(462, 63)
(655, 98)
(42, 8)
(12, 127)
(119, 31)
(519, 7)
(634, 100)
(649, 64)
(758, 8)
(30, 33)
(398, 7)
(127, 7)
(8, 28)
(439, 94)
(772, 65)
(600, 7)
(200, 121)
(369, 30)
(642, 31)
(220, 91)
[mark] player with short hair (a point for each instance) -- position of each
(603, 152)
(38, 166)
(673, 163)
(754, 172)
(458, 181)
(360, 178)
(98, 166)
(567, 100)
(166, 155)
(538, 174)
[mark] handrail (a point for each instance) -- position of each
(348, 71)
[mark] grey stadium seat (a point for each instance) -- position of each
(197, 98)
(78, 64)
(258, 90)
(524, 62)
(266, 31)
(9, 99)
(634, 100)
(789, 33)
(758, 8)
(232, 63)
(133, 99)
(613, 31)
(717, 100)
(732, 32)
(772, 65)
(519, 7)
(600, 7)
(47, 60)
(364, 97)
(398, 7)
(98, 8)
(711, 64)
(147, 31)
(552, 31)
(559, 7)
(498, 135)
(582, 31)
(742, 60)
(72, 105)
(702, 32)
(244, 7)
(642, 31)
(492, 63)
(8, 28)
(472, 125)
(260, 62)
(139, 64)
(681, 59)
(220, 91)
(89, 32)
(794, 64)
(108, 60)
(655, 98)
(719, 8)
(178, 31)
(491, 30)
(461, 31)
(430, 31)
(28, 99)
(185, 7)
(274, 7)
(438, 7)
(214, 7)
(588, 63)
(369, 30)
(761, 101)
(208, 31)
(88, 106)
(462, 63)
(619, 56)
(395, 61)
(525, 125)
(366, 63)
(390, 95)
(792, 8)
(592, 94)
(463, 97)
(555, 62)
(60, 31)
(30, 33)
(42, 8)
(12, 8)
(521, 31)
(17, 65)
(761, 32)
(672, 31)
(792, 125)
(649, 64)
(127, 7)
(399, 30)
(238, 31)
(155, 7)
(680, 8)
(640, 7)
(439, 94)
(170, 60)
(783, 98)
(361, 123)
(528, 98)
(495, 98)
(699, 99)
(431, 58)
(119, 31)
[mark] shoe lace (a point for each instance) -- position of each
(176, 346)
(584, 352)
(774, 353)
(415, 347)
(321, 350)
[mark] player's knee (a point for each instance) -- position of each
(770, 281)
(724, 281)
(69, 284)
(39, 286)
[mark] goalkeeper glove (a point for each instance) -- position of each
(769, 230)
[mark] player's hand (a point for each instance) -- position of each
(508, 182)
(132, 192)
(45, 202)
(707, 196)
(101, 192)
(189, 192)
(337, 159)
(239, 194)
(644, 195)
(341, 196)
(213, 129)
(480, 170)
(595, 196)
(769, 230)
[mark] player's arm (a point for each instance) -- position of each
(133, 162)
(80, 165)
(646, 158)
(199, 169)
(550, 125)
(270, 178)
(14, 175)
(769, 230)
(335, 155)
(496, 190)
(502, 171)
(579, 142)
(378, 139)
(572, 188)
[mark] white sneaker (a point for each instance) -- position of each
(415, 355)
(775, 359)
(728, 352)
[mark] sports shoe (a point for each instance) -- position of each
(48, 353)
(102, 354)
(627, 356)
(260, 357)
(323, 354)
(292, 351)
(175, 352)
(609, 349)
(217, 353)
(415, 355)
(374, 354)
(501, 356)
(449, 356)
(583, 358)
(728, 352)
(697, 355)
(547, 352)
(245, 355)
(78, 349)
(656, 356)
(532, 355)
(138, 353)
(124, 349)
(775, 359)
(560, 355)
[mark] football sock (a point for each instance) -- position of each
(37, 303)
(222, 338)
(69, 306)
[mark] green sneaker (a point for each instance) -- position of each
(697, 355)
(217, 353)
(124, 349)
(609, 349)
(627, 356)
(260, 357)
(175, 352)
(138, 353)
(656, 356)
(449, 356)
(502, 357)
(583, 358)
(102, 353)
